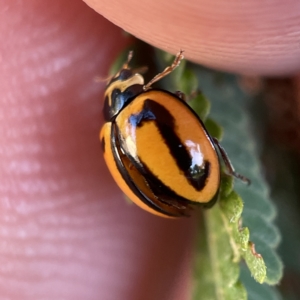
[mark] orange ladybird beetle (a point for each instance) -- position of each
(156, 147)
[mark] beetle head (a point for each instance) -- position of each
(123, 87)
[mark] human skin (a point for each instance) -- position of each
(250, 37)
(65, 230)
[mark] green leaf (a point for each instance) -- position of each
(255, 263)
(219, 275)
(188, 83)
(258, 291)
(200, 105)
(214, 129)
(229, 108)
(232, 207)
(226, 242)
(224, 274)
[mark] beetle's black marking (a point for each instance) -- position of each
(163, 192)
(145, 195)
(159, 189)
(197, 175)
(110, 110)
(165, 122)
(123, 75)
(103, 144)
(137, 120)
(115, 93)
(119, 100)
(106, 109)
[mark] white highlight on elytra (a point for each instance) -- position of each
(130, 140)
(195, 151)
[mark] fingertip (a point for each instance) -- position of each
(250, 37)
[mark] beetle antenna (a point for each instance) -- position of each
(228, 164)
(140, 70)
(179, 56)
(103, 79)
(129, 58)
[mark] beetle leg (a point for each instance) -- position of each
(166, 71)
(181, 95)
(189, 97)
(194, 94)
(228, 164)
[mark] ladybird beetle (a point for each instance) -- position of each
(156, 147)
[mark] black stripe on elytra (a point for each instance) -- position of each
(197, 175)
(159, 189)
(163, 192)
(117, 154)
(166, 124)
(103, 144)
